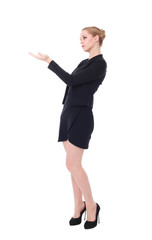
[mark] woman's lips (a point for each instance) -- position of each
(83, 45)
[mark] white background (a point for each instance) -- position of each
(36, 198)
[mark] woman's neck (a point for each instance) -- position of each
(94, 52)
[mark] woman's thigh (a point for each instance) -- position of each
(73, 154)
(65, 145)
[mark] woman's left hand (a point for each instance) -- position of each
(42, 56)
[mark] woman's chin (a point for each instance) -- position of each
(85, 50)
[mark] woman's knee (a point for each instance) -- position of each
(69, 164)
(72, 164)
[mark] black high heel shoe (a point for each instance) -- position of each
(92, 224)
(76, 221)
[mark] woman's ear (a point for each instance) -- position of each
(96, 38)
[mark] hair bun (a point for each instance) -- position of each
(103, 33)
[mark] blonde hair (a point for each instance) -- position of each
(96, 31)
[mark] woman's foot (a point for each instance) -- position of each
(91, 212)
(78, 209)
(90, 223)
(77, 218)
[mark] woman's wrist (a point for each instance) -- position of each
(48, 60)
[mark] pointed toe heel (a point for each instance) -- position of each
(76, 221)
(92, 224)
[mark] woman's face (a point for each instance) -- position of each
(87, 40)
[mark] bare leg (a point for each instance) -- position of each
(73, 163)
(79, 204)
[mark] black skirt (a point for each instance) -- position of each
(76, 125)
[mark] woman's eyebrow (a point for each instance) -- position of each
(83, 36)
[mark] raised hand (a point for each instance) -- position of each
(42, 56)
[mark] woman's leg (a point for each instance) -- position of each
(73, 162)
(79, 204)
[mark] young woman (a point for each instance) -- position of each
(77, 121)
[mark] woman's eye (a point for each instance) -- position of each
(83, 38)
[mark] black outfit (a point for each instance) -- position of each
(76, 120)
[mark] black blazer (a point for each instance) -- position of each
(83, 82)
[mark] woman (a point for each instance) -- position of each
(77, 122)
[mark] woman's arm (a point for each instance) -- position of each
(94, 71)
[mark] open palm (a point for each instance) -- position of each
(40, 56)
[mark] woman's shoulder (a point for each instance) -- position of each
(101, 60)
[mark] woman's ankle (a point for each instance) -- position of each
(78, 204)
(91, 204)
(78, 208)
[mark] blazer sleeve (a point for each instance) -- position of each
(94, 71)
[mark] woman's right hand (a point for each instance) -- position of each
(42, 56)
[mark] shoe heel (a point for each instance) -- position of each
(98, 218)
(85, 215)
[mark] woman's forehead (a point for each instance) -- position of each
(84, 33)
